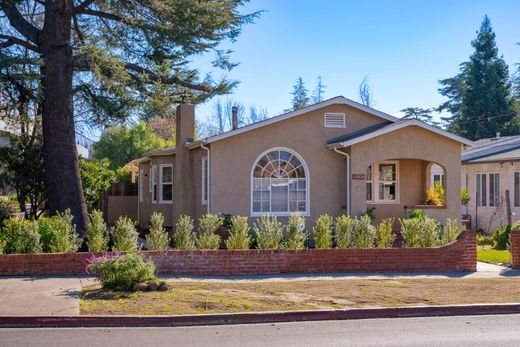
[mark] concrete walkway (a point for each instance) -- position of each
(60, 295)
(483, 271)
(41, 295)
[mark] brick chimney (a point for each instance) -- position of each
(183, 171)
(234, 114)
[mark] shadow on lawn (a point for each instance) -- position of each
(103, 294)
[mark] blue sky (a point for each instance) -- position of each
(404, 46)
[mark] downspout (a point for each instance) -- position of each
(208, 179)
(347, 179)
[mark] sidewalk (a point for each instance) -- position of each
(41, 295)
(59, 296)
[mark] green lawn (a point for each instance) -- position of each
(493, 256)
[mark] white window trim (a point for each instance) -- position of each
(342, 126)
(306, 213)
(161, 185)
(153, 182)
(371, 181)
(205, 180)
(375, 184)
(487, 173)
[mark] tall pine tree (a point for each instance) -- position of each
(480, 95)
(317, 96)
(300, 95)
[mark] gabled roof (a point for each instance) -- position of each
(338, 100)
(374, 131)
(495, 149)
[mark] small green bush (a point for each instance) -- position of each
(124, 235)
(238, 234)
(420, 232)
(484, 240)
(268, 231)
(344, 229)
(65, 238)
(97, 233)
(157, 238)
(8, 206)
(501, 238)
(296, 234)
(416, 213)
(363, 232)
(46, 231)
(122, 272)
(323, 232)
(227, 220)
(20, 237)
(464, 197)
(450, 231)
(370, 212)
(385, 236)
(208, 225)
(183, 237)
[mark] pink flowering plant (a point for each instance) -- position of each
(121, 271)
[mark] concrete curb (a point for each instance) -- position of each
(257, 317)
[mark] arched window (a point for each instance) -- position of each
(279, 184)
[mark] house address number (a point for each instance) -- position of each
(358, 176)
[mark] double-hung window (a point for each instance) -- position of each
(387, 182)
(488, 189)
(382, 182)
(205, 181)
(166, 183)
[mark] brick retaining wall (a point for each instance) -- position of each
(514, 238)
(457, 256)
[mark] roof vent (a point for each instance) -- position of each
(334, 120)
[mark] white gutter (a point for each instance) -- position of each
(209, 176)
(347, 183)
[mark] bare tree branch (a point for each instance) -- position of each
(11, 40)
(77, 29)
(18, 21)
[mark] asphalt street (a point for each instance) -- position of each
(499, 330)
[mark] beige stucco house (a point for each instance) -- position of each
(334, 157)
(491, 173)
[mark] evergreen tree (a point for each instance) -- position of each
(453, 89)
(317, 96)
(422, 114)
(109, 59)
(300, 95)
(480, 94)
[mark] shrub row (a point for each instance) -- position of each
(57, 234)
(54, 234)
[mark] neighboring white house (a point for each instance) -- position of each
(489, 170)
(83, 144)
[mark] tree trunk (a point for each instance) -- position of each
(61, 162)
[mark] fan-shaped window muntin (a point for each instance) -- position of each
(279, 184)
